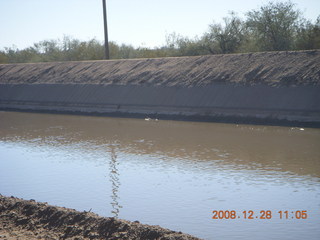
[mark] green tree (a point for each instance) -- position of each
(274, 26)
(178, 45)
(226, 38)
(48, 50)
(308, 36)
(3, 57)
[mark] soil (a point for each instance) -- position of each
(23, 219)
(268, 68)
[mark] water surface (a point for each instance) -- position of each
(167, 173)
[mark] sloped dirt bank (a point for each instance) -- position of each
(256, 88)
(268, 68)
(22, 219)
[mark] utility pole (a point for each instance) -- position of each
(106, 42)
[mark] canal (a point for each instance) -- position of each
(259, 182)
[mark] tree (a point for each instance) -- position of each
(226, 38)
(308, 36)
(274, 26)
(3, 57)
(178, 45)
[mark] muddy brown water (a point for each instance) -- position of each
(168, 173)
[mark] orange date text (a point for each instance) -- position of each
(260, 214)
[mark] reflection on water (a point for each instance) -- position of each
(167, 173)
(115, 182)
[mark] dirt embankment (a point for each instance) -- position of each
(262, 88)
(268, 68)
(21, 219)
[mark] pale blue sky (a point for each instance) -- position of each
(136, 22)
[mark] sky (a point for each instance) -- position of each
(144, 23)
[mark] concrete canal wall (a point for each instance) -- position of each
(269, 88)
